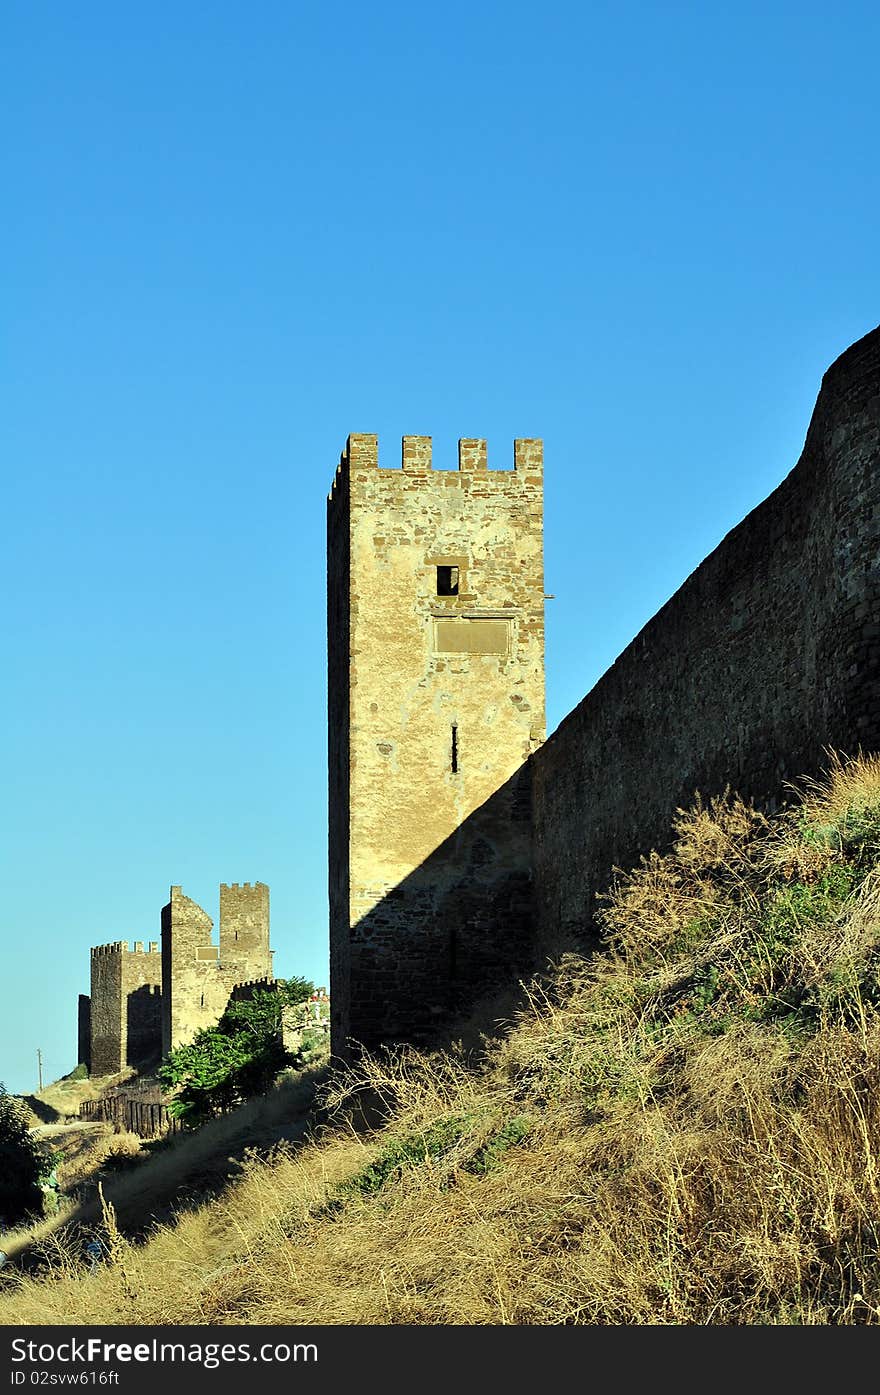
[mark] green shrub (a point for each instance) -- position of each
(238, 1059)
(23, 1162)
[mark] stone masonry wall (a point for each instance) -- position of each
(769, 653)
(142, 999)
(436, 701)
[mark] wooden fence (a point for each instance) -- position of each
(146, 1118)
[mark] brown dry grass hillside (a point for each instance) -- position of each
(683, 1130)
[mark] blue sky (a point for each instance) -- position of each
(234, 234)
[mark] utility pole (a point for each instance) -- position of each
(40, 1067)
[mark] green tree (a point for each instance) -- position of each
(24, 1164)
(239, 1058)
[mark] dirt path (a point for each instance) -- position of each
(84, 1126)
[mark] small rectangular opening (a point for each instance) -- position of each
(447, 581)
(454, 748)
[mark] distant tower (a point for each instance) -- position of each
(125, 1017)
(244, 929)
(436, 701)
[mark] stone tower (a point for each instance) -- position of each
(436, 702)
(244, 930)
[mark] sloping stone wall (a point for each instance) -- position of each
(768, 654)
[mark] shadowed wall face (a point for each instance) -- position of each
(84, 1031)
(143, 1013)
(436, 700)
(767, 654)
(107, 1016)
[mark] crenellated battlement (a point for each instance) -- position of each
(337, 479)
(122, 947)
(243, 992)
(265, 981)
(362, 453)
(114, 947)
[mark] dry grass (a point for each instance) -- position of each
(683, 1131)
(78, 1149)
(123, 1145)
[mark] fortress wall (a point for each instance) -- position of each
(767, 654)
(246, 992)
(130, 1020)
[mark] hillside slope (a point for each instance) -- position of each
(682, 1130)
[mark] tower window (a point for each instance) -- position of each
(447, 581)
(454, 748)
